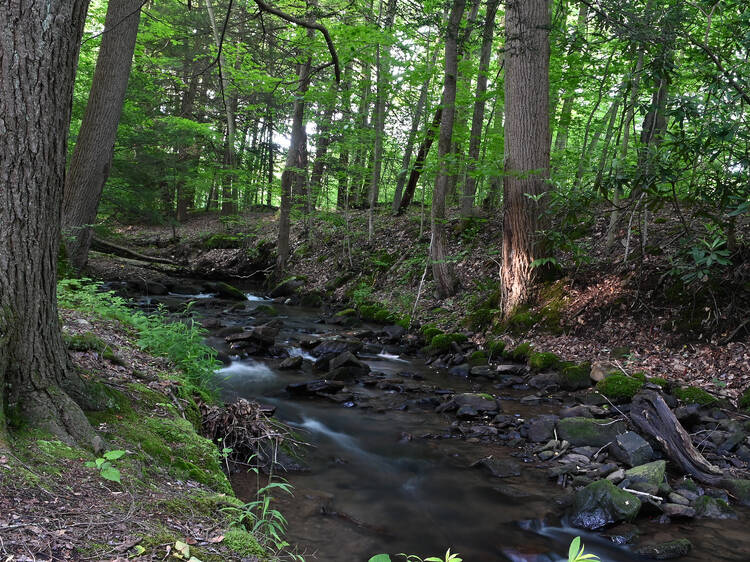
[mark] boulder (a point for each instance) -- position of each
(542, 428)
(666, 550)
(587, 431)
(315, 387)
(262, 337)
(483, 371)
(287, 288)
(712, 508)
(481, 403)
(647, 477)
(227, 291)
(677, 510)
(393, 333)
(601, 504)
(460, 370)
(498, 468)
(334, 347)
(632, 449)
(294, 362)
(346, 366)
(545, 381)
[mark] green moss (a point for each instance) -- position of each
(520, 353)
(84, 342)
(442, 342)
(574, 377)
(200, 503)
(228, 291)
(429, 332)
(520, 322)
(540, 361)
(243, 543)
(265, 310)
(639, 375)
(346, 313)
(659, 381)
(695, 395)
(221, 240)
(478, 358)
(552, 300)
(619, 388)
(744, 401)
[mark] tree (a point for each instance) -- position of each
(39, 44)
(527, 145)
(92, 157)
(441, 268)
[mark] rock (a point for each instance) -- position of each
(530, 400)
(601, 504)
(731, 442)
(607, 469)
(677, 510)
(481, 403)
(632, 449)
(711, 508)
(287, 288)
(483, 371)
(546, 455)
(545, 381)
(647, 477)
(617, 476)
(393, 333)
(578, 411)
(347, 365)
(688, 415)
(674, 497)
(575, 377)
(227, 291)
(666, 550)
(542, 428)
(229, 331)
(460, 370)
(511, 369)
(294, 362)
(498, 468)
(600, 370)
(587, 431)
(739, 488)
(315, 387)
(263, 336)
(334, 347)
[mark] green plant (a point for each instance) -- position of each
(449, 557)
(576, 554)
(701, 260)
(105, 467)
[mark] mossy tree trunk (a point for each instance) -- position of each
(39, 46)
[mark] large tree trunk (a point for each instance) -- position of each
(441, 268)
(477, 120)
(39, 42)
(527, 145)
(92, 157)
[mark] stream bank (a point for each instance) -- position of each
(494, 461)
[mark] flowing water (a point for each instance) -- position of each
(387, 475)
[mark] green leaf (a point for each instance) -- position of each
(110, 473)
(380, 558)
(113, 455)
(574, 548)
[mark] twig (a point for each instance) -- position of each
(644, 494)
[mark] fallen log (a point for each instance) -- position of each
(110, 248)
(652, 416)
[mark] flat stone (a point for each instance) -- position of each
(587, 431)
(294, 362)
(666, 550)
(617, 476)
(632, 449)
(677, 510)
(647, 477)
(711, 508)
(542, 428)
(532, 399)
(674, 497)
(546, 455)
(498, 468)
(545, 381)
(460, 370)
(315, 387)
(483, 371)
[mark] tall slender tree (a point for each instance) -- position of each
(527, 145)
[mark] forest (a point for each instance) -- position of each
(315, 279)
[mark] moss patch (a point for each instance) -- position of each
(520, 353)
(540, 361)
(243, 543)
(495, 348)
(442, 342)
(478, 358)
(84, 342)
(574, 377)
(619, 388)
(695, 395)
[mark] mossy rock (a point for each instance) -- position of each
(540, 360)
(695, 395)
(377, 313)
(87, 341)
(288, 287)
(575, 377)
(227, 291)
(659, 381)
(478, 358)
(647, 477)
(619, 388)
(495, 348)
(520, 322)
(216, 241)
(713, 508)
(739, 488)
(442, 342)
(520, 353)
(429, 332)
(582, 432)
(346, 313)
(601, 504)
(312, 299)
(265, 310)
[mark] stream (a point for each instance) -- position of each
(388, 474)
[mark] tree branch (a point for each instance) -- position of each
(298, 21)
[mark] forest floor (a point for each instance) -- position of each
(602, 307)
(167, 498)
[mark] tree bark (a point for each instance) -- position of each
(527, 146)
(477, 120)
(39, 44)
(92, 156)
(441, 268)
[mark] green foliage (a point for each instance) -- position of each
(87, 341)
(744, 401)
(659, 381)
(695, 395)
(495, 348)
(448, 557)
(478, 358)
(520, 353)
(576, 554)
(698, 263)
(619, 388)
(180, 341)
(429, 331)
(104, 465)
